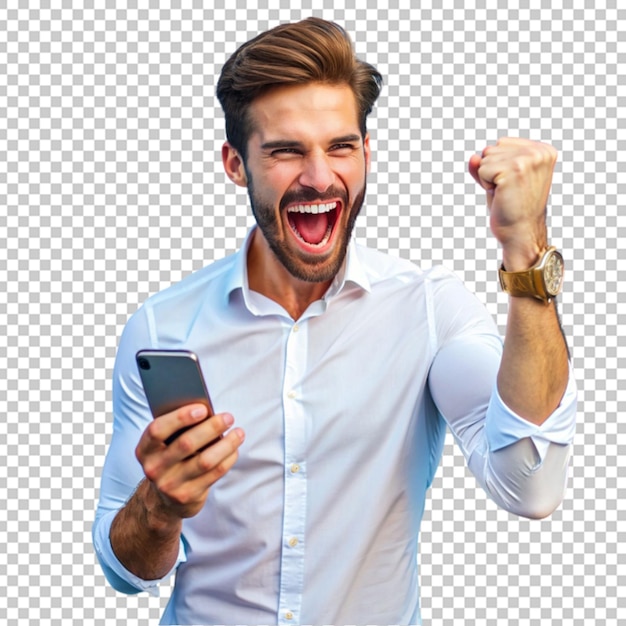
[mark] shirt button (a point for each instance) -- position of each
(295, 468)
(293, 542)
(289, 615)
(291, 395)
(295, 328)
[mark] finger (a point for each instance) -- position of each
(215, 461)
(163, 427)
(188, 480)
(515, 160)
(171, 423)
(473, 165)
(492, 170)
(476, 168)
(515, 141)
(192, 494)
(200, 436)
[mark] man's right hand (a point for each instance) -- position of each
(182, 472)
(145, 533)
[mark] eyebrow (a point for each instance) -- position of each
(286, 143)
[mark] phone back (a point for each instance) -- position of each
(171, 379)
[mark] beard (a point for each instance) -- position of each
(312, 268)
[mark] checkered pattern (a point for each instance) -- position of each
(111, 189)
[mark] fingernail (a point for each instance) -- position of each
(198, 412)
(229, 420)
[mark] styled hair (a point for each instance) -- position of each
(313, 50)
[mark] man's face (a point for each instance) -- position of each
(305, 170)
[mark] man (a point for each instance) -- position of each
(342, 366)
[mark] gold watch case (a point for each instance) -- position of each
(542, 281)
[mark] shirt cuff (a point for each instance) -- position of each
(504, 427)
(117, 575)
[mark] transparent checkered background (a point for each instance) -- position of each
(111, 188)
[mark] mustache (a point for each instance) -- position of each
(311, 195)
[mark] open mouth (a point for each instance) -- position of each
(313, 224)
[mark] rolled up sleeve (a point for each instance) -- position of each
(520, 465)
(118, 576)
(504, 427)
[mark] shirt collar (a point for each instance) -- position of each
(351, 272)
(238, 275)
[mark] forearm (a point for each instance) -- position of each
(144, 538)
(516, 175)
(534, 369)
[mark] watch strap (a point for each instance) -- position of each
(527, 283)
(523, 283)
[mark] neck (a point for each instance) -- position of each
(267, 276)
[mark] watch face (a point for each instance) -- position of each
(553, 273)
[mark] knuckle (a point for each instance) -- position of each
(235, 441)
(181, 497)
(220, 469)
(181, 416)
(168, 488)
(154, 429)
(520, 164)
(186, 444)
(151, 470)
(205, 463)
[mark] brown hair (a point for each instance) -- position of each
(312, 50)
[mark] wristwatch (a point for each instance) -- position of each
(542, 281)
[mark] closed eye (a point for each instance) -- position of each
(286, 151)
(343, 147)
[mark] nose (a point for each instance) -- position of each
(317, 172)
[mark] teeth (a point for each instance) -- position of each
(312, 208)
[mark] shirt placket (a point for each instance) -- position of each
(294, 514)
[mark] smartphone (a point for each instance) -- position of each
(171, 379)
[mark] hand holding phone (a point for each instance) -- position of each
(179, 476)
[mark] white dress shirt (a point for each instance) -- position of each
(345, 412)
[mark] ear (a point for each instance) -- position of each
(233, 165)
(368, 153)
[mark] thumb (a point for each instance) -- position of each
(473, 167)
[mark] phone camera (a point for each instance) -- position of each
(144, 364)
